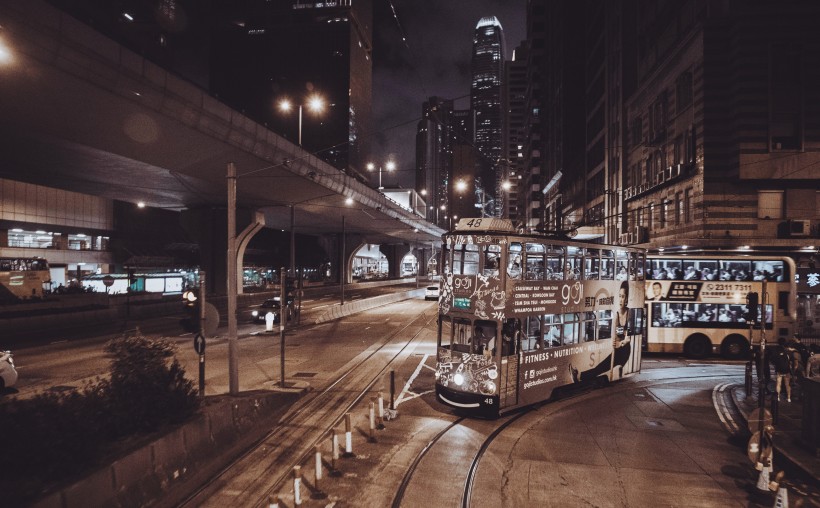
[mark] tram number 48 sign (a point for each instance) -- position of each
(199, 344)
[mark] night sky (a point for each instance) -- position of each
(434, 61)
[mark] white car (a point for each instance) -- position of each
(8, 374)
(431, 293)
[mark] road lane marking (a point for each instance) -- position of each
(410, 381)
(722, 410)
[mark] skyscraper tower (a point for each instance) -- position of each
(485, 101)
(267, 50)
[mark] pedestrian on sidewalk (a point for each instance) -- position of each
(782, 361)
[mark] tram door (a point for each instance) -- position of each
(510, 344)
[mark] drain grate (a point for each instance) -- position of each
(304, 374)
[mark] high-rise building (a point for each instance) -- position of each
(264, 51)
(434, 156)
(485, 102)
(514, 133)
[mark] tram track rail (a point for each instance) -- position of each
(331, 402)
(576, 396)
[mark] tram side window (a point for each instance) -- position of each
(572, 323)
(471, 256)
(592, 264)
(445, 337)
(636, 321)
(514, 265)
(555, 264)
(445, 259)
(535, 262)
(608, 265)
(604, 324)
(462, 333)
(511, 336)
(531, 339)
(589, 327)
(492, 260)
(552, 332)
(574, 262)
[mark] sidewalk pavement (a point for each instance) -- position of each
(787, 442)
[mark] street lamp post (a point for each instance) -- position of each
(314, 103)
(390, 166)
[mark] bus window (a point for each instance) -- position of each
(514, 266)
(470, 266)
(461, 335)
(666, 269)
(608, 265)
(735, 270)
(589, 326)
(535, 262)
(592, 264)
(771, 271)
(492, 260)
(570, 329)
(531, 339)
(555, 270)
(604, 324)
(445, 333)
(484, 337)
(706, 269)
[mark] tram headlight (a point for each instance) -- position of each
(492, 373)
(458, 379)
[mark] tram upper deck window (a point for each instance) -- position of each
(535, 269)
(492, 260)
(514, 264)
(574, 263)
(465, 259)
(592, 264)
(445, 259)
(608, 265)
(622, 265)
(637, 266)
(555, 263)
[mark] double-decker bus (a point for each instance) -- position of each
(521, 315)
(23, 278)
(696, 305)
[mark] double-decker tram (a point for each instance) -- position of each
(696, 304)
(523, 314)
(23, 278)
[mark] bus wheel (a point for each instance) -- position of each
(735, 347)
(697, 346)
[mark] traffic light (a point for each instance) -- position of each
(751, 308)
(190, 320)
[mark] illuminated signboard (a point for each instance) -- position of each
(808, 280)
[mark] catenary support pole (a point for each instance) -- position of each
(233, 346)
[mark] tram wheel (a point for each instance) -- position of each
(735, 347)
(697, 346)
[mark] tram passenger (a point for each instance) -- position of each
(511, 336)
(514, 268)
(483, 342)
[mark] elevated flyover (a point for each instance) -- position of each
(80, 112)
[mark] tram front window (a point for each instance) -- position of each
(484, 339)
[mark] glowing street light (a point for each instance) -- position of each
(314, 103)
(390, 166)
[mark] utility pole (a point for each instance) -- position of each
(233, 346)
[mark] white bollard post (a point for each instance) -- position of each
(318, 493)
(348, 437)
(372, 438)
(269, 322)
(297, 485)
(273, 501)
(334, 454)
(380, 422)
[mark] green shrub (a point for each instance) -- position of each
(56, 435)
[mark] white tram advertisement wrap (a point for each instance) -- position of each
(521, 315)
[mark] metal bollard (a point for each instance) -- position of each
(380, 417)
(748, 379)
(334, 454)
(273, 501)
(372, 438)
(392, 388)
(318, 493)
(348, 438)
(297, 485)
